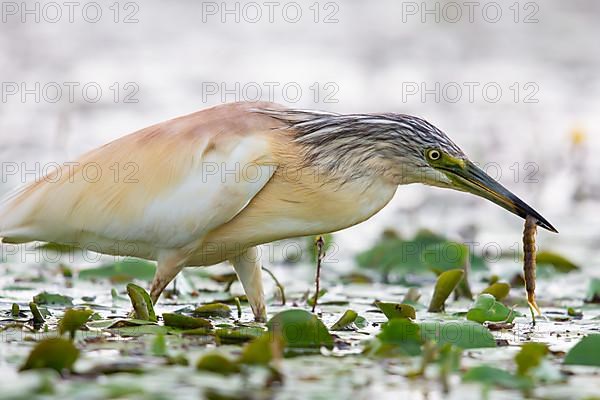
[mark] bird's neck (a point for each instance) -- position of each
(340, 147)
(302, 200)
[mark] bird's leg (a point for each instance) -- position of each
(170, 263)
(248, 269)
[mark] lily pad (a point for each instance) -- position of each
(447, 255)
(142, 304)
(73, 320)
(446, 283)
(263, 349)
(486, 308)
(493, 376)
(237, 335)
(300, 329)
(356, 278)
(586, 352)
(118, 323)
(38, 318)
(54, 353)
(361, 322)
(558, 262)
(345, 322)
(499, 290)
(217, 363)
(463, 334)
(121, 271)
(392, 253)
(185, 322)
(52, 299)
(530, 357)
(213, 310)
(311, 297)
(572, 312)
(135, 331)
(398, 337)
(396, 310)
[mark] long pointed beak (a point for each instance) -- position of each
(472, 179)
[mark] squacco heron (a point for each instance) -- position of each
(213, 185)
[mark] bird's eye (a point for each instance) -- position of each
(434, 155)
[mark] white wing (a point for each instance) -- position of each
(165, 186)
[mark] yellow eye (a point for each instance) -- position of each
(434, 154)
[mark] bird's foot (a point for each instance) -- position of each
(260, 313)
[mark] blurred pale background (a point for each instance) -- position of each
(345, 56)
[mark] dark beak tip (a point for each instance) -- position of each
(546, 225)
(551, 228)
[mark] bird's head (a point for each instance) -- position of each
(423, 153)
(446, 168)
(404, 148)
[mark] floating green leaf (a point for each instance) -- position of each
(121, 271)
(15, 310)
(486, 308)
(499, 290)
(72, 320)
(445, 255)
(232, 300)
(213, 310)
(345, 321)
(571, 312)
(558, 262)
(118, 323)
(238, 305)
(398, 337)
(263, 349)
(237, 335)
(530, 356)
(487, 375)
(185, 322)
(357, 278)
(311, 298)
(394, 254)
(463, 334)
(55, 353)
(217, 363)
(300, 329)
(395, 310)
(140, 330)
(38, 319)
(586, 352)
(142, 304)
(66, 271)
(446, 283)
(52, 299)
(361, 322)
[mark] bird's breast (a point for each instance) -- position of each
(288, 208)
